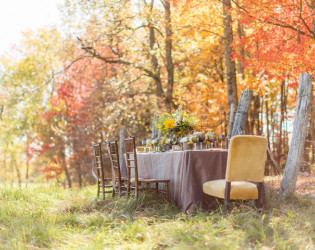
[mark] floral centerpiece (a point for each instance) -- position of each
(178, 123)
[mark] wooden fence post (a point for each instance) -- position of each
(242, 112)
(300, 123)
(154, 130)
(231, 121)
(121, 145)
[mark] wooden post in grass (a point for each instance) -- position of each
(242, 112)
(231, 121)
(154, 130)
(300, 123)
(121, 145)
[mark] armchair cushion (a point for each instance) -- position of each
(240, 190)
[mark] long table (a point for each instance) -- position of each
(186, 170)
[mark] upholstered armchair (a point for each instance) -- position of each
(244, 173)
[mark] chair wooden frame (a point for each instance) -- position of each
(131, 157)
(259, 202)
(100, 172)
(112, 147)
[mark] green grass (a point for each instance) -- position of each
(50, 217)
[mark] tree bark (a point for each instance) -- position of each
(154, 60)
(240, 34)
(300, 123)
(229, 62)
(168, 55)
(64, 165)
(242, 112)
(267, 123)
(231, 121)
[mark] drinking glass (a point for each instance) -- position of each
(221, 140)
(201, 138)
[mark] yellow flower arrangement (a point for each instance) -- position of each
(169, 124)
(178, 123)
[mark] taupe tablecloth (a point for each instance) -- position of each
(186, 170)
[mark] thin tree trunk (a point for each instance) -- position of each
(312, 129)
(168, 55)
(282, 103)
(254, 123)
(64, 165)
(27, 161)
(229, 62)
(17, 169)
(240, 34)
(79, 173)
(313, 104)
(242, 112)
(267, 123)
(154, 60)
(300, 123)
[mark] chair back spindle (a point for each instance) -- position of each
(115, 163)
(131, 160)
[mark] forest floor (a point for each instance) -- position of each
(42, 216)
(305, 185)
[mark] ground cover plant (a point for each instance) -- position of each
(51, 217)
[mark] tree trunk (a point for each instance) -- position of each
(64, 165)
(300, 123)
(254, 123)
(154, 60)
(27, 161)
(17, 169)
(242, 112)
(229, 62)
(282, 104)
(240, 34)
(267, 123)
(312, 129)
(168, 55)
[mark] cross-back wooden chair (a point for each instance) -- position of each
(245, 166)
(131, 160)
(118, 181)
(102, 181)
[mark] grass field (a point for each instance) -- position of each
(50, 217)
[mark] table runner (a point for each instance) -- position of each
(186, 170)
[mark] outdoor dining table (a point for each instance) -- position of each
(186, 170)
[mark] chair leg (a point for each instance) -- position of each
(259, 201)
(103, 189)
(227, 196)
(113, 193)
(128, 184)
(98, 188)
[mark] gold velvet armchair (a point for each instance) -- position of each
(246, 164)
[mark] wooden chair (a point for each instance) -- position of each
(246, 164)
(100, 172)
(118, 181)
(131, 160)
